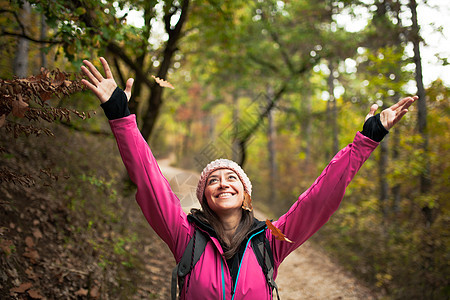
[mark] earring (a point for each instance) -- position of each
(247, 203)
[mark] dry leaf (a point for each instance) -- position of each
(162, 82)
(5, 245)
(247, 204)
(31, 275)
(277, 232)
(29, 242)
(37, 233)
(33, 255)
(19, 107)
(34, 294)
(95, 292)
(22, 288)
(81, 292)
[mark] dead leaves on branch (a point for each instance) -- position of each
(27, 98)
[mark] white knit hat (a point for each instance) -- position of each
(222, 163)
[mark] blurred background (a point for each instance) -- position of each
(277, 86)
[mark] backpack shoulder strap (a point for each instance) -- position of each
(264, 255)
(191, 255)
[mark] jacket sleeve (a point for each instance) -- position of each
(160, 205)
(316, 205)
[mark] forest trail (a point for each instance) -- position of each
(307, 273)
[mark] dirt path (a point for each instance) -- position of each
(307, 273)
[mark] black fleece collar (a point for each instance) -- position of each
(192, 218)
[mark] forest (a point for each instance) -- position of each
(277, 86)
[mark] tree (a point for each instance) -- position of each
(21, 59)
(87, 28)
(425, 182)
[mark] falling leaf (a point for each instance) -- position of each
(2, 120)
(81, 292)
(277, 232)
(247, 202)
(34, 294)
(162, 82)
(22, 288)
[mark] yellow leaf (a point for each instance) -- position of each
(162, 82)
(277, 232)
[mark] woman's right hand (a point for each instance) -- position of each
(102, 87)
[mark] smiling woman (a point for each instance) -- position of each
(237, 258)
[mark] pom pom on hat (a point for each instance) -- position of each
(217, 164)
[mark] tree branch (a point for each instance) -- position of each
(116, 50)
(22, 35)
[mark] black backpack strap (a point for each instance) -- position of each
(191, 255)
(264, 255)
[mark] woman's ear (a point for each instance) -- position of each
(247, 203)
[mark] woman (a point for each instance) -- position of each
(228, 267)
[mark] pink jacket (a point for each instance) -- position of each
(210, 278)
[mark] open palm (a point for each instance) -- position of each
(390, 116)
(102, 87)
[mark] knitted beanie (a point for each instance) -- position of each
(222, 163)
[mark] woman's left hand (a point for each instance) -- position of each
(390, 116)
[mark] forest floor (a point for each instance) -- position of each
(80, 237)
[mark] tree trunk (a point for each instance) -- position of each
(156, 92)
(271, 150)
(332, 112)
(384, 186)
(20, 66)
(305, 124)
(395, 145)
(43, 55)
(425, 181)
(235, 146)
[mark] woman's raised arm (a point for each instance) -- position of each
(154, 195)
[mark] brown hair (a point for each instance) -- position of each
(230, 247)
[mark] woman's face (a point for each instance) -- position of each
(224, 191)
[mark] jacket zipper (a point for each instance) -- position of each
(233, 291)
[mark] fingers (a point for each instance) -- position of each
(92, 72)
(372, 111)
(128, 87)
(89, 85)
(408, 102)
(404, 103)
(106, 68)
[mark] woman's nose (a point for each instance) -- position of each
(223, 183)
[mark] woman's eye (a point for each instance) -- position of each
(212, 180)
(232, 177)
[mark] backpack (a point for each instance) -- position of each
(196, 247)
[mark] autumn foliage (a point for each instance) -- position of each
(27, 99)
